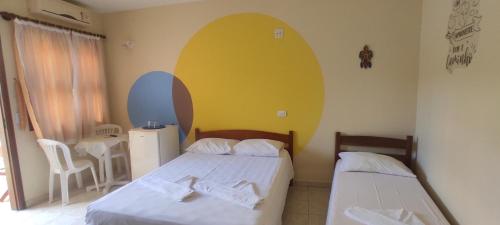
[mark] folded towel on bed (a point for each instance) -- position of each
(382, 217)
(178, 190)
(242, 192)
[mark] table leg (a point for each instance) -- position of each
(109, 170)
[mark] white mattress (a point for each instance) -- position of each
(379, 191)
(135, 205)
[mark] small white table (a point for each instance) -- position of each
(99, 147)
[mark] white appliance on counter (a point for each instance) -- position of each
(151, 148)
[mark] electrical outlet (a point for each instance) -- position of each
(281, 113)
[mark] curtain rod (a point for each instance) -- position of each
(10, 16)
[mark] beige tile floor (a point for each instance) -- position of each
(50, 214)
(304, 206)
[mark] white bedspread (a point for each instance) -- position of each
(135, 205)
(382, 216)
(379, 191)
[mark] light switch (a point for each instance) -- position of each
(278, 33)
(281, 113)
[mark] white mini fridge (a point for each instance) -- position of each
(151, 148)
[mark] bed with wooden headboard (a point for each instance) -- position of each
(378, 191)
(402, 148)
(271, 176)
(248, 134)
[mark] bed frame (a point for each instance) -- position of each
(248, 134)
(405, 146)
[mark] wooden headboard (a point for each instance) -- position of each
(405, 146)
(248, 134)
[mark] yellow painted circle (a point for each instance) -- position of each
(239, 76)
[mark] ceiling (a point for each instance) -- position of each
(105, 6)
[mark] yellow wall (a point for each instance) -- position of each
(458, 124)
(34, 165)
(380, 101)
(239, 76)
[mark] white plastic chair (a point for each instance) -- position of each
(51, 148)
(107, 130)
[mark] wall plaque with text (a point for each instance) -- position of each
(463, 33)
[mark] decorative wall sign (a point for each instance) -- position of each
(366, 57)
(463, 33)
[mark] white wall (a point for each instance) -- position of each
(458, 125)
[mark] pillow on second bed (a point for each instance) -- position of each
(217, 146)
(371, 162)
(259, 147)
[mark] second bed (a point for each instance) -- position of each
(378, 191)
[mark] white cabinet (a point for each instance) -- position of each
(149, 149)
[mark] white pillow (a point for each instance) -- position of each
(259, 147)
(371, 162)
(217, 146)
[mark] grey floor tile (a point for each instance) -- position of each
(296, 219)
(317, 219)
(294, 207)
(318, 194)
(298, 193)
(318, 207)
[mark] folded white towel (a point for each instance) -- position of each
(382, 217)
(178, 190)
(242, 193)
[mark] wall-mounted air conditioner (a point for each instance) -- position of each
(61, 10)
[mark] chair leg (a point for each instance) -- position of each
(64, 189)
(101, 170)
(118, 166)
(95, 178)
(127, 167)
(51, 186)
(79, 181)
(4, 196)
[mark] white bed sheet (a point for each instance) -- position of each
(135, 205)
(379, 191)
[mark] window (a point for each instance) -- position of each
(62, 79)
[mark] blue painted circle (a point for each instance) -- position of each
(151, 99)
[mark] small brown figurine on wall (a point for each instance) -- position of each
(366, 57)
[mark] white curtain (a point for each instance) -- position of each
(89, 82)
(62, 80)
(45, 64)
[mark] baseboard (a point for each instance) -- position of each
(57, 196)
(73, 190)
(422, 178)
(37, 200)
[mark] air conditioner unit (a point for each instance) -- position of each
(60, 10)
